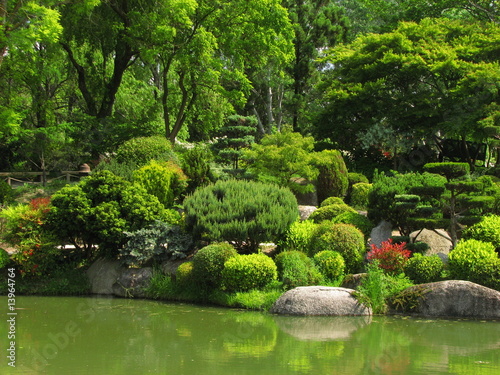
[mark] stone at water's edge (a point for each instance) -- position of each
(132, 282)
(319, 300)
(103, 274)
(453, 298)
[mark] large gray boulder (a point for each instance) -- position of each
(306, 211)
(382, 232)
(132, 281)
(103, 274)
(319, 300)
(439, 241)
(451, 298)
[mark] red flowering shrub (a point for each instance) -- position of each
(391, 256)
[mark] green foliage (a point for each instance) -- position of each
(449, 170)
(124, 170)
(466, 255)
(343, 238)
(154, 244)
(164, 180)
(359, 195)
(355, 178)
(208, 264)
(245, 213)
(4, 258)
(332, 179)
(246, 272)
(283, 159)
(195, 163)
(296, 269)
(99, 210)
(423, 269)
(238, 134)
(487, 230)
(487, 272)
(332, 200)
(37, 251)
(354, 218)
(184, 275)
(330, 212)
(5, 192)
(330, 263)
(299, 236)
(142, 150)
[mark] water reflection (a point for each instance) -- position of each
(118, 336)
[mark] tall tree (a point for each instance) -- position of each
(317, 25)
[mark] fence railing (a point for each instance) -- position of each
(20, 178)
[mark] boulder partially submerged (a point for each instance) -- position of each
(319, 300)
(450, 298)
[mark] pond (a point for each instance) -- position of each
(69, 335)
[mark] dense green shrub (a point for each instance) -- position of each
(358, 220)
(195, 163)
(344, 238)
(330, 263)
(466, 255)
(423, 269)
(5, 192)
(330, 212)
(245, 272)
(332, 200)
(142, 150)
(184, 275)
(359, 195)
(296, 269)
(208, 263)
(355, 178)
(487, 272)
(124, 170)
(155, 243)
(4, 258)
(450, 170)
(332, 180)
(164, 180)
(298, 236)
(37, 252)
(487, 230)
(99, 210)
(245, 213)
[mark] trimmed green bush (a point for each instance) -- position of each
(332, 200)
(359, 195)
(195, 163)
(164, 180)
(487, 230)
(450, 170)
(330, 263)
(245, 213)
(5, 192)
(298, 236)
(142, 150)
(184, 275)
(487, 273)
(344, 238)
(359, 221)
(208, 263)
(466, 255)
(296, 269)
(246, 272)
(332, 179)
(330, 212)
(423, 269)
(355, 178)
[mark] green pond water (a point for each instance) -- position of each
(65, 336)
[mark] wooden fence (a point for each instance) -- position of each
(15, 179)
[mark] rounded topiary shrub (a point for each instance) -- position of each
(245, 213)
(184, 275)
(464, 257)
(487, 230)
(208, 263)
(246, 272)
(164, 180)
(332, 200)
(487, 273)
(142, 150)
(423, 269)
(330, 212)
(359, 195)
(330, 263)
(296, 269)
(299, 236)
(332, 179)
(354, 218)
(344, 238)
